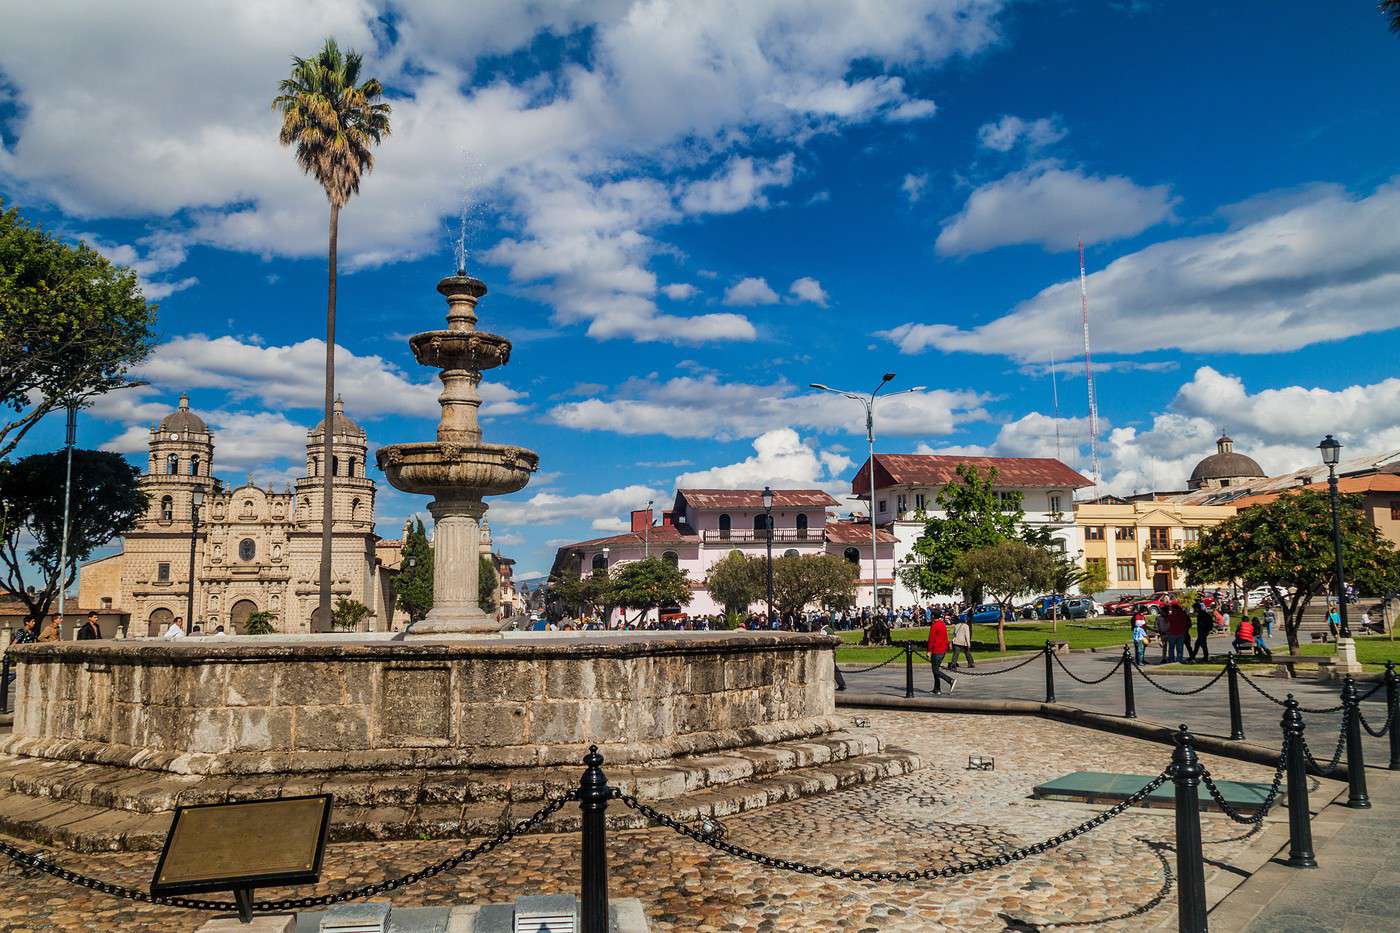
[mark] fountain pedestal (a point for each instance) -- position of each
(456, 571)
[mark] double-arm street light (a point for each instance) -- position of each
(1331, 454)
(768, 533)
(869, 402)
(196, 500)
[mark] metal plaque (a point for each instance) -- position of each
(252, 844)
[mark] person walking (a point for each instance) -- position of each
(962, 642)
(1162, 627)
(937, 650)
(1139, 637)
(89, 630)
(1205, 623)
(1269, 619)
(1178, 631)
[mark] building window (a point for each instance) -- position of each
(1055, 502)
(351, 470)
(194, 465)
(162, 573)
(760, 525)
(724, 527)
(1095, 566)
(883, 505)
(1160, 538)
(315, 466)
(852, 554)
(355, 510)
(247, 549)
(1093, 532)
(671, 557)
(335, 466)
(1127, 569)
(600, 562)
(106, 602)
(1010, 501)
(1191, 535)
(919, 501)
(901, 503)
(1125, 533)
(1395, 510)
(802, 527)
(167, 509)
(172, 465)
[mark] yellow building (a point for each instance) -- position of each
(1137, 542)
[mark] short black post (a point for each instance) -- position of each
(1186, 771)
(1357, 798)
(1300, 845)
(1232, 680)
(909, 669)
(1392, 713)
(5, 684)
(593, 794)
(1049, 673)
(1129, 701)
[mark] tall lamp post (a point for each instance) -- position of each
(196, 500)
(70, 439)
(768, 533)
(869, 402)
(1332, 453)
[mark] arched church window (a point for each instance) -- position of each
(172, 465)
(351, 471)
(247, 549)
(354, 510)
(335, 466)
(167, 509)
(194, 465)
(852, 554)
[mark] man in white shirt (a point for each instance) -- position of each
(176, 630)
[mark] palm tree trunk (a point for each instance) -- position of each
(327, 456)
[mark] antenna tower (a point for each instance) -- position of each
(1089, 371)
(1055, 395)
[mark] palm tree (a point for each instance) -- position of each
(332, 120)
(1390, 9)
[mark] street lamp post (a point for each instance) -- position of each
(196, 500)
(71, 438)
(1331, 453)
(768, 533)
(869, 403)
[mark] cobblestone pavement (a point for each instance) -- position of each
(938, 814)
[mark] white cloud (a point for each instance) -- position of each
(162, 252)
(913, 109)
(808, 289)
(266, 443)
(680, 291)
(913, 187)
(1054, 207)
(1009, 131)
(1319, 269)
(706, 407)
(549, 508)
(781, 460)
(753, 290)
(738, 187)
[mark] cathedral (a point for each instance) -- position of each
(251, 549)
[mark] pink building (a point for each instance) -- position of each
(704, 526)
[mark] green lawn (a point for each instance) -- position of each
(1110, 632)
(1372, 652)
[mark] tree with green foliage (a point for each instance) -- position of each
(975, 515)
(1005, 571)
(332, 119)
(736, 583)
(579, 595)
(72, 324)
(802, 580)
(1287, 546)
(413, 589)
(105, 502)
(261, 622)
(486, 580)
(348, 614)
(1095, 579)
(647, 584)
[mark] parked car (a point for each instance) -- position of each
(986, 613)
(1079, 607)
(1120, 607)
(1039, 608)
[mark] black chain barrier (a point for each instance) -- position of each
(874, 667)
(1180, 693)
(1073, 676)
(1275, 700)
(1331, 766)
(967, 672)
(913, 874)
(1266, 805)
(39, 863)
(1374, 733)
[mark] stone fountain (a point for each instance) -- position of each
(458, 470)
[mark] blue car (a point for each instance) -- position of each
(987, 612)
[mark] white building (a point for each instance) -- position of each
(906, 495)
(705, 525)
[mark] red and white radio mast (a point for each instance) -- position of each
(1089, 372)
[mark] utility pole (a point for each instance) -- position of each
(71, 438)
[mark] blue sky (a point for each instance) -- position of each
(688, 211)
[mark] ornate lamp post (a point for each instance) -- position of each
(768, 533)
(869, 403)
(1332, 453)
(196, 500)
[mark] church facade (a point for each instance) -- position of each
(254, 549)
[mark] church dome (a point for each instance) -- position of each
(183, 420)
(343, 423)
(1225, 464)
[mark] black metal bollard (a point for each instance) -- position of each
(5, 683)
(1392, 713)
(1232, 680)
(1300, 846)
(1129, 701)
(1186, 773)
(1049, 673)
(593, 794)
(1357, 798)
(909, 669)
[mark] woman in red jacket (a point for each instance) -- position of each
(937, 649)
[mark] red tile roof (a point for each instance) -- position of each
(660, 534)
(940, 469)
(753, 498)
(855, 533)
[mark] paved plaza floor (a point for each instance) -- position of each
(1114, 878)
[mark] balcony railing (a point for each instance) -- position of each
(780, 536)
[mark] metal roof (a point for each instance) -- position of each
(753, 498)
(941, 469)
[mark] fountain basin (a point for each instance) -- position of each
(457, 471)
(450, 349)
